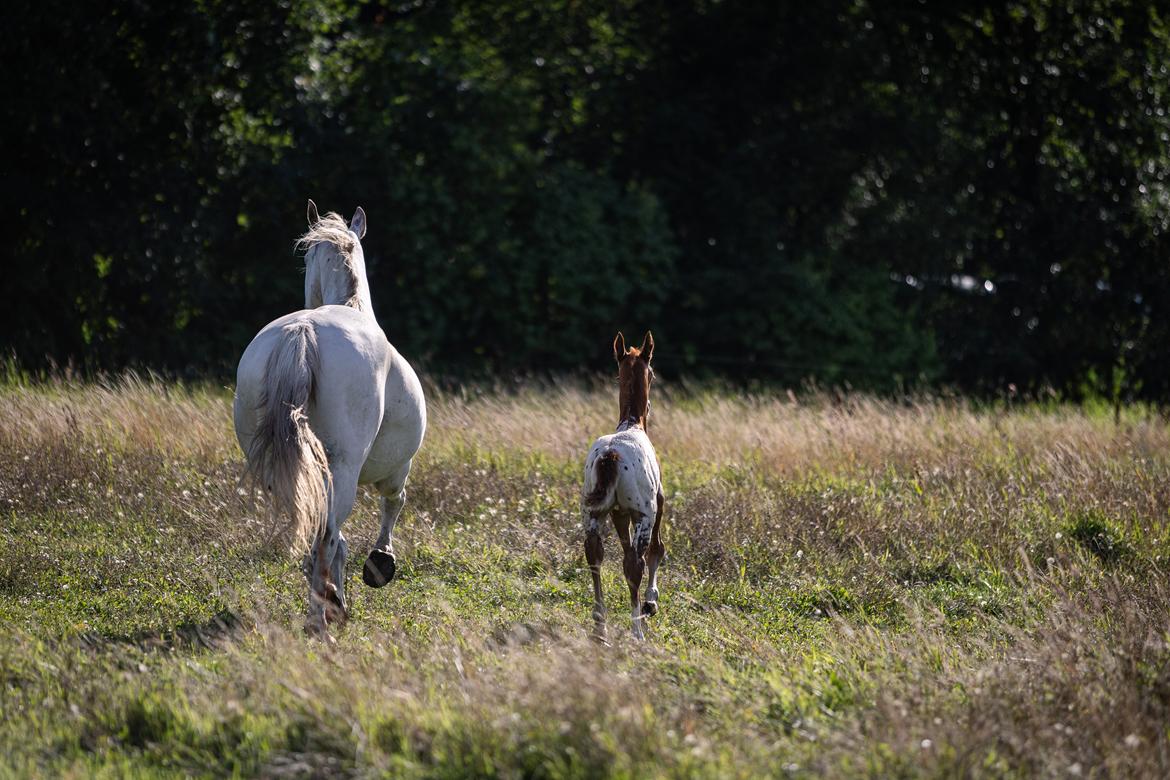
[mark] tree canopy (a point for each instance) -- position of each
(873, 194)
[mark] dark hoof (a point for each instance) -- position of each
(649, 608)
(379, 569)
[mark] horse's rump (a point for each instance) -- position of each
(605, 474)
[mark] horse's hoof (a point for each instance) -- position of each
(315, 628)
(649, 608)
(335, 611)
(599, 630)
(379, 568)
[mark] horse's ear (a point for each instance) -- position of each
(648, 347)
(358, 223)
(619, 347)
(312, 213)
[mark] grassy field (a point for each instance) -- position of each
(851, 589)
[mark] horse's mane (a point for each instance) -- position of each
(332, 229)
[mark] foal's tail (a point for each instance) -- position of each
(605, 473)
(285, 456)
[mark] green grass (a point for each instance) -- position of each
(858, 589)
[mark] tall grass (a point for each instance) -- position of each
(854, 587)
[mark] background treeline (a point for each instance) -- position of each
(874, 193)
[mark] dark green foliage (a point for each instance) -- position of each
(851, 191)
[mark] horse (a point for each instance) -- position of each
(324, 403)
(622, 479)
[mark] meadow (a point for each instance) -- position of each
(853, 588)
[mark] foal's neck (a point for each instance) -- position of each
(631, 422)
(633, 402)
(631, 418)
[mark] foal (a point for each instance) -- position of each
(622, 480)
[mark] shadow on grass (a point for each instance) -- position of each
(221, 629)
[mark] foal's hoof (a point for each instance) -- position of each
(599, 632)
(379, 568)
(650, 603)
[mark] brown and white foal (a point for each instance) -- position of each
(622, 480)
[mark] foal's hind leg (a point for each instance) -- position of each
(594, 555)
(654, 555)
(381, 563)
(633, 565)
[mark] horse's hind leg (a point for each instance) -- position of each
(633, 565)
(337, 572)
(325, 565)
(381, 563)
(594, 555)
(654, 555)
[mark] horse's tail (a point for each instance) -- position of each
(605, 474)
(285, 457)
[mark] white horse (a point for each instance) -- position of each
(622, 480)
(323, 403)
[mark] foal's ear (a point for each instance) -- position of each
(358, 223)
(312, 213)
(619, 347)
(648, 347)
